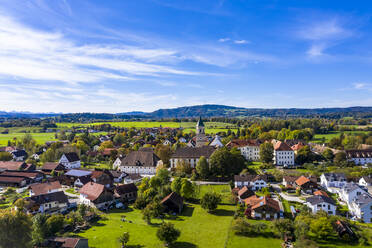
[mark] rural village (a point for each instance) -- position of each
(254, 183)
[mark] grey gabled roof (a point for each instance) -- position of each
(335, 176)
(316, 199)
(368, 178)
(141, 158)
(58, 196)
(351, 187)
(362, 200)
(72, 156)
(193, 152)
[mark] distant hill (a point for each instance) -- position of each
(229, 111)
(207, 110)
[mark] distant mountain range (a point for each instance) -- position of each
(207, 110)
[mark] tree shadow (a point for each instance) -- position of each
(134, 246)
(223, 212)
(183, 245)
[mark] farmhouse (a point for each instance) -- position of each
(78, 177)
(244, 193)
(29, 176)
(262, 207)
(126, 192)
(44, 188)
(70, 160)
(11, 165)
(19, 155)
(66, 242)
(140, 162)
(55, 202)
(16, 182)
(191, 155)
(48, 167)
(95, 195)
(102, 177)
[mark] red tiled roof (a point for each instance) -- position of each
(92, 190)
(10, 165)
(302, 180)
(44, 188)
(281, 146)
(320, 192)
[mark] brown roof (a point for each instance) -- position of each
(302, 180)
(290, 179)
(44, 188)
(92, 190)
(107, 151)
(175, 198)
(241, 143)
(257, 202)
(31, 175)
(320, 192)
(250, 178)
(50, 166)
(281, 146)
(10, 165)
(194, 152)
(11, 179)
(244, 190)
(96, 174)
(141, 158)
(125, 188)
(68, 242)
(298, 146)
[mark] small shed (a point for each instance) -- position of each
(173, 202)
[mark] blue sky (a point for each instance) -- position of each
(118, 56)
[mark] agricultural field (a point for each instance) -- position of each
(318, 137)
(210, 127)
(40, 138)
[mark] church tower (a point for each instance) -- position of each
(200, 126)
(201, 139)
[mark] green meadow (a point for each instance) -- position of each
(198, 228)
(211, 127)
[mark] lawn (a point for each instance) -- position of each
(211, 127)
(40, 138)
(266, 240)
(198, 228)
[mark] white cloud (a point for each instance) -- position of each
(50, 56)
(324, 30)
(316, 50)
(224, 39)
(241, 41)
(362, 86)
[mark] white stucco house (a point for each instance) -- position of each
(283, 154)
(142, 162)
(361, 208)
(254, 182)
(70, 160)
(349, 192)
(321, 202)
(365, 181)
(250, 149)
(333, 180)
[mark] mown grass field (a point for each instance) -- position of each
(318, 137)
(40, 138)
(211, 127)
(198, 228)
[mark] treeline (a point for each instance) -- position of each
(24, 122)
